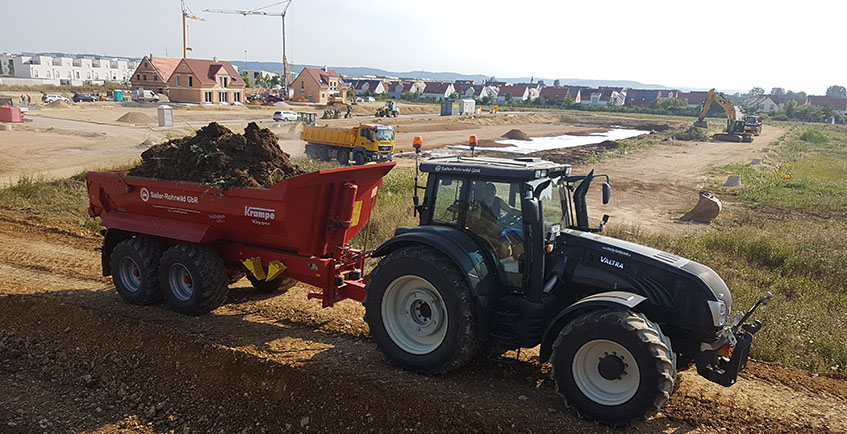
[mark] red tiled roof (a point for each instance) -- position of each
(556, 94)
(514, 90)
(205, 71)
(694, 97)
(436, 87)
(322, 77)
(837, 103)
(165, 66)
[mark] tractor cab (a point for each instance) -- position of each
(518, 207)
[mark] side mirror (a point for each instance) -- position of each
(607, 192)
(531, 210)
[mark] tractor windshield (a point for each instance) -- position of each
(552, 196)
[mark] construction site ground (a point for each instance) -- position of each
(75, 358)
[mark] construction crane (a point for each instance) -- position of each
(186, 15)
(260, 12)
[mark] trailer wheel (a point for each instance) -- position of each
(343, 157)
(420, 311)
(134, 264)
(613, 367)
(279, 285)
(194, 278)
(359, 158)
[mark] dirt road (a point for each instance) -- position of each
(74, 357)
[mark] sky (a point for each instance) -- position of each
(722, 44)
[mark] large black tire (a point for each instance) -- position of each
(601, 382)
(323, 153)
(194, 278)
(359, 158)
(441, 294)
(275, 286)
(135, 270)
(343, 157)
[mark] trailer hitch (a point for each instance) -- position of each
(741, 319)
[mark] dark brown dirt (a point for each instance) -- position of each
(217, 157)
(516, 134)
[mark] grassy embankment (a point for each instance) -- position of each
(785, 232)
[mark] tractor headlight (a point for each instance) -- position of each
(718, 310)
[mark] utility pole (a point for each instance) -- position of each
(284, 90)
(186, 14)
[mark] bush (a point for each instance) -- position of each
(814, 136)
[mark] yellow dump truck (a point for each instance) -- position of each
(364, 143)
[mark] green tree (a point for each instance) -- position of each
(796, 95)
(453, 96)
(778, 91)
(837, 91)
(757, 91)
(556, 83)
(275, 81)
(247, 81)
(486, 100)
(789, 107)
(508, 98)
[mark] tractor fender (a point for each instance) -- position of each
(460, 248)
(611, 299)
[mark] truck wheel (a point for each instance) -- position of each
(359, 158)
(323, 153)
(194, 278)
(343, 157)
(420, 311)
(134, 266)
(279, 285)
(613, 366)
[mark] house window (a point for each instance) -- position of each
(302, 85)
(137, 76)
(145, 76)
(236, 97)
(178, 81)
(223, 97)
(35, 73)
(155, 77)
(77, 74)
(190, 81)
(208, 96)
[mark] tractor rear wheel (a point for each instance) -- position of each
(135, 265)
(613, 367)
(194, 278)
(420, 311)
(278, 285)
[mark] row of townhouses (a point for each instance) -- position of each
(67, 70)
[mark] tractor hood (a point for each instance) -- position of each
(632, 259)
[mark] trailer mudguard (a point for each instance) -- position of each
(611, 299)
(468, 255)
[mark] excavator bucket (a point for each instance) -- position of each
(701, 124)
(707, 208)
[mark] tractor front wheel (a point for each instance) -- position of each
(613, 367)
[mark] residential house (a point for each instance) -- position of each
(642, 97)
(253, 74)
(557, 95)
(205, 81)
(69, 70)
(512, 93)
(153, 74)
(401, 88)
(317, 85)
(763, 103)
(376, 87)
(695, 99)
(438, 91)
(602, 96)
(837, 103)
(478, 91)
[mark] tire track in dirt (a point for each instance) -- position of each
(70, 337)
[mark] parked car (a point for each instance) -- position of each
(370, 99)
(83, 97)
(141, 95)
(285, 116)
(272, 98)
(48, 98)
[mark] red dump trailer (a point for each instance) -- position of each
(186, 242)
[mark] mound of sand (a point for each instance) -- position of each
(217, 157)
(58, 104)
(516, 134)
(693, 134)
(135, 118)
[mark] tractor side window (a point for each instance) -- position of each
(448, 204)
(494, 213)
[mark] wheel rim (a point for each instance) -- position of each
(414, 315)
(180, 282)
(605, 372)
(130, 274)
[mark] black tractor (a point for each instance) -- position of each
(504, 258)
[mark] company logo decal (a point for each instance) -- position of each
(257, 213)
(145, 194)
(611, 262)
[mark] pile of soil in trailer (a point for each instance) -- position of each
(217, 157)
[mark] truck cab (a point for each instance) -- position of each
(504, 258)
(377, 141)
